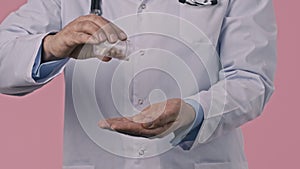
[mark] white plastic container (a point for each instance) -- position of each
(120, 50)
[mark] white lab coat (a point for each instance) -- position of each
(231, 93)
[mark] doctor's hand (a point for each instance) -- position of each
(79, 36)
(157, 120)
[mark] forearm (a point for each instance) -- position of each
(21, 35)
(248, 59)
(17, 60)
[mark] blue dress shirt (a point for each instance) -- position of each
(43, 71)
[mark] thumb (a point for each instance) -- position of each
(149, 125)
(104, 124)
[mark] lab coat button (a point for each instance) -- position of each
(142, 52)
(141, 152)
(143, 6)
(140, 101)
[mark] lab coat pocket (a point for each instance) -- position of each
(242, 165)
(79, 167)
(201, 24)
(189, 30)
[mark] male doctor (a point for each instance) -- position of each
(173, 81)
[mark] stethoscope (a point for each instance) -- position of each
(96, 4)
(96, 7)
(197, 3)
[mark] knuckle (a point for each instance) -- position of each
(93, 16)
(103, 20)
(97, 18)
(84, 23)
(81, 18)
(64, 34)
(114, 127)
(105, 24)
(67, 40)
(70, 43)
(80, 39)
(74, 42)
(88, 26)
(78, 25)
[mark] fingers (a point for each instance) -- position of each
(106, 59)
(89, 29)
(86, 26)
(126, 126)
(159, 124)
(82, 38)
(121, 34)
(92, 29)
(104, 124)
(111, 31)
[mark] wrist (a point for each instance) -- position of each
(191, 111)
(188, 116)
(47, 52)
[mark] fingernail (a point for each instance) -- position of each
(113, 127)
(113, 38)
(103, 124)
(94, 39)
(123, 36)
(102, 37)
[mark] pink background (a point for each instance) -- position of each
(32, 139)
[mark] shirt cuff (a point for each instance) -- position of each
(45, 71)
(191, 133)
